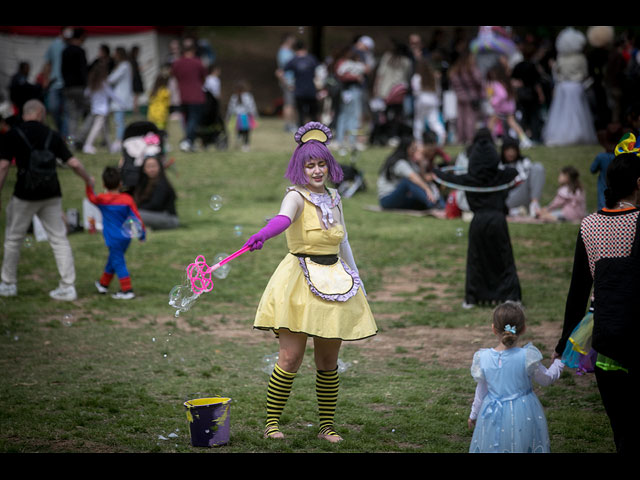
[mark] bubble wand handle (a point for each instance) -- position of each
(227, 259)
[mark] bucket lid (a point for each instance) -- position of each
(203, 402)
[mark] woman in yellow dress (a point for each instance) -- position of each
(316, 290)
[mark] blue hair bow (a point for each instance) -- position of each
(509, 328)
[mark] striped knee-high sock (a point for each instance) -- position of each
(278, 391)
(327, 384)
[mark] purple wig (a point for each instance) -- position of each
(314, 147)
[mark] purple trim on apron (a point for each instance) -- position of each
(338, 297)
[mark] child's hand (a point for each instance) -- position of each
(472, 423)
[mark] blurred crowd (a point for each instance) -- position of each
(562, 90)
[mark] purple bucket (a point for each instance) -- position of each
(208, 421)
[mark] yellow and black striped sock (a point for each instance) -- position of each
(278, 391)
(327, 384)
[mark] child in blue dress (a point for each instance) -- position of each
(506, 415)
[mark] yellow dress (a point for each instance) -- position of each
(288, 301)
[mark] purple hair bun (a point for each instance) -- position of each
(313, 131)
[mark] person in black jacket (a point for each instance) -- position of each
(155, 197)
(36, 193)
(605, 235)
(491, 275)
(74, 73)
(21, 89)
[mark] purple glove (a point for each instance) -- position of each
(276, 226)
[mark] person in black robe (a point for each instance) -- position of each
(491, 275)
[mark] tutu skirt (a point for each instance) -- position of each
(578, 353)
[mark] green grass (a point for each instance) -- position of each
(98, 375)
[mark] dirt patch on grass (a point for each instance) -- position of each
(451, 347)
(447, 347)
(410, 283)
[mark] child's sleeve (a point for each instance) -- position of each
(542, 375)
(481, 387)
(547, 376)
(91, 195)
(476, 369)
(560, 200)
(481, 392)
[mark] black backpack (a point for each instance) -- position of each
(41, 169)
(616, 313)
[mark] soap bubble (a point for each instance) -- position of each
(459, 232)
(222, 271)
(237, 230)
(269, 362)
(28, 241)
(182, 298)
(132, 228)
(343, 366)
(67, 320)
(215, 202)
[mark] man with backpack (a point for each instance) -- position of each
(36, 148)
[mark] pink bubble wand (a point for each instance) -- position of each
(199, 273)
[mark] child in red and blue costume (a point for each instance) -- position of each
(116, 208)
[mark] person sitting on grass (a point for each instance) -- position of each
(569, 204)
(404, 183)
(155, 197)
(526, 194)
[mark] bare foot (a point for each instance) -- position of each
(273, 432)
(329, 435)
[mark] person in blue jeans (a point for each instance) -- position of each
(404, 184)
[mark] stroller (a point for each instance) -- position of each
(212, 128)
(140, 140)
(389, 116)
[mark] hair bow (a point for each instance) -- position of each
(627, 145)
(510, 329)
(152, 139)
